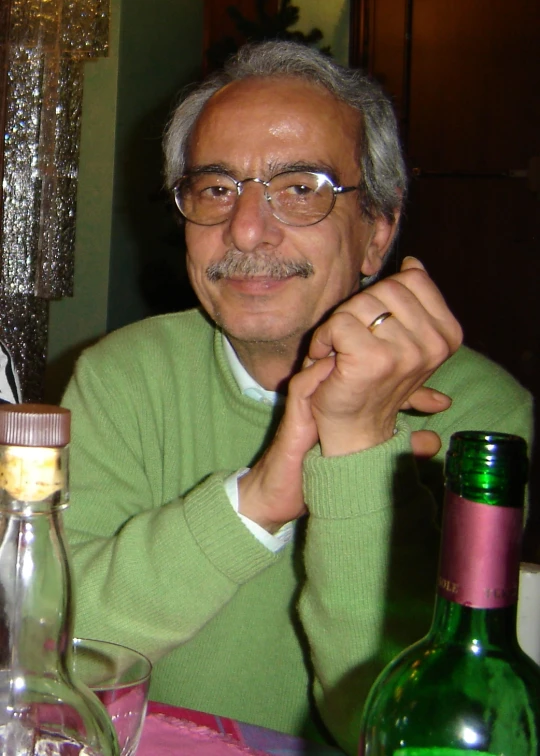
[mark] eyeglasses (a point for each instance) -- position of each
(297, 198)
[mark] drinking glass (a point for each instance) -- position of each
(120, 677)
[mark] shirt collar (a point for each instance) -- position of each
(248, 385)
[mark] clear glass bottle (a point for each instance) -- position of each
(467, 687)
(43, 710)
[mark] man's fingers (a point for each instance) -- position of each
(425, 443)
(297, 431)
(428, 400)
(313, 373)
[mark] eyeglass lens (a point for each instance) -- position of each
(297, 198)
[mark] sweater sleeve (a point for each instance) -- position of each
(371, 546)
(147, 574)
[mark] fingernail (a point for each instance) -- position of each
(441, 398)
(414, 259)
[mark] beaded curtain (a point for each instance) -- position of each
(43, 47)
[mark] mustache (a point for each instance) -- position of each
(256, 264)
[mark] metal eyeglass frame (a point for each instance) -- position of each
(239, 185)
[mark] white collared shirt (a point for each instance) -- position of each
(249, 387)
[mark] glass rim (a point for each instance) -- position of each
(100, 646)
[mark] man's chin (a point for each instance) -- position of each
(259, 330)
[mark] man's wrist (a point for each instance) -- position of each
(273, 541)
(336, 441)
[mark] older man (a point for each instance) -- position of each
(201, 439)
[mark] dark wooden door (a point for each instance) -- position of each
(466, 81)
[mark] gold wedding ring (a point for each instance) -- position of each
(378, 320)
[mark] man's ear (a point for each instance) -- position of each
(383, 233)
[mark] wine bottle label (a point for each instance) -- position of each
(439, 752)
(480, 551)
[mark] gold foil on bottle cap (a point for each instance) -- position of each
(34, 425)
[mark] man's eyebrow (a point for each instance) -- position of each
(210, 168)
(274, 168)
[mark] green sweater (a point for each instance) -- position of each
(293, 640)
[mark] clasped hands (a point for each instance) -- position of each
(352, 385)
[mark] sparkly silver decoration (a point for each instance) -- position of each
(43, 46)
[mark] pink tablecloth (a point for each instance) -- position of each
(249, 736)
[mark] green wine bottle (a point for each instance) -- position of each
(467, 687)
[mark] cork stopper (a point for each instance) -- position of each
(34, 425)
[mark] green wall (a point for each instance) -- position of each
(332, 18)
(160, 53)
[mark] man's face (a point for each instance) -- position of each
(258, 128)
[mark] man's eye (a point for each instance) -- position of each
(215, 192)
(299, 190)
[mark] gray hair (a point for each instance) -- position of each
(384, 180)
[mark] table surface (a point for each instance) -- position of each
(258, 738)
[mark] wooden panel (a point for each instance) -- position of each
(474, 84)
(389, 48)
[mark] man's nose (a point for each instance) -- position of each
(252, 223)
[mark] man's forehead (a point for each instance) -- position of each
(281, 113)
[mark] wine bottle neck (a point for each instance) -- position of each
(480, 551)
(480, 629)
(477, 588)
(35, 583)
